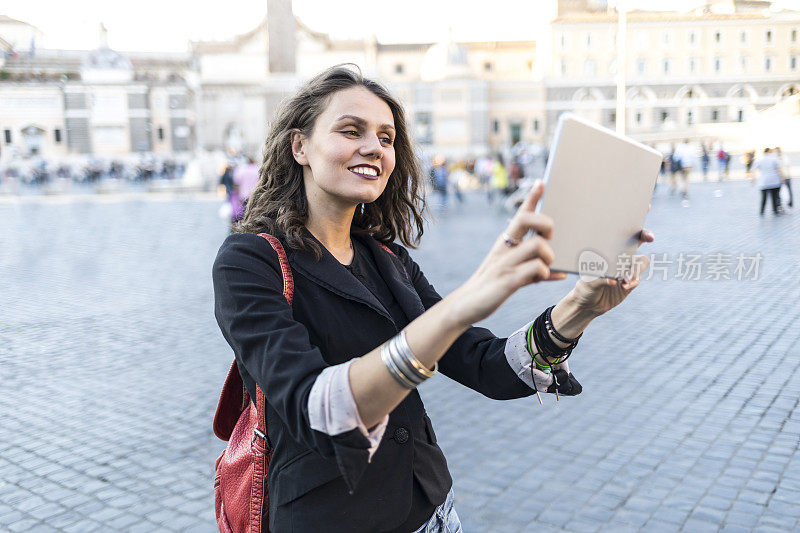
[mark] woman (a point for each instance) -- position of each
(353, 447)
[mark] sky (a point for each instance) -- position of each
(168, 25)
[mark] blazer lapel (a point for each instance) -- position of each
(333, 276)
(394, 274)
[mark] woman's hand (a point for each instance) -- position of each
(603, 294)
(512, 263)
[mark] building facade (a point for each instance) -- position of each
(57, 103)
(720, 63)
(724, 62)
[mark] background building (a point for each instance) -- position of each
(101, 102)
(722, 62)
(686, 73)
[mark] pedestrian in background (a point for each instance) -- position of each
(245, 177)
(352, 447)
(674, 163)
(441, 179)
(787, 178)
(705, 159)
(769, 180)
(686, 156)
(499, 181)
(723, 162)
(748, 159)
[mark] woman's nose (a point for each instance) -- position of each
(372, 147)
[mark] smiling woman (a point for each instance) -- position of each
(339, 327)
(343, 124)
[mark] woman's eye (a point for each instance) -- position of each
(387, 140)
(350, 132)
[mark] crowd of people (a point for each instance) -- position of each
(770, 171)
(492, 174)
(144, 167)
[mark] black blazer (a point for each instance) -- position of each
(318, 482)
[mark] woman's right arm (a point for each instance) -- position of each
(503, 271)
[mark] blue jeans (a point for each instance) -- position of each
(444, 519)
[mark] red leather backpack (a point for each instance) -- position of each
(241, 498)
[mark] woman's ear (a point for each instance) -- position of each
(298, 147)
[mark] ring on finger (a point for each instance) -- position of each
(509, 241)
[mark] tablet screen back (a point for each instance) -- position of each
(598, 189)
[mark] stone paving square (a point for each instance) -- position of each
(111, 364)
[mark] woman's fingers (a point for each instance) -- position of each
(640, 264)
(531, 272)
(535, 247)
(646, 236)
(522, 223)
(526, 219)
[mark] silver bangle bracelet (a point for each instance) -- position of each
(389, 362)
(404, 367)
(416, 365)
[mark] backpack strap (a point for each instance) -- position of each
(288, 293)
(234, 398)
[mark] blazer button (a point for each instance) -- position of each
(401, 435)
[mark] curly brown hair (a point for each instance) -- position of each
(278, 203)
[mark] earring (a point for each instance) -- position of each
(362, 208)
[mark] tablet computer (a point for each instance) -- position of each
(598, 186)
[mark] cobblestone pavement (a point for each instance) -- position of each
(111, 364)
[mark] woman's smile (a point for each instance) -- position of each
(370, 172)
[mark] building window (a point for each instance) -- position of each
(641, 66)
(57, 135)
(793, 62)
(689, 117)
(692, 37)
(717, 64)
(744, 63)
(744, 37)
(666, 38)
(740, 115)
(664, 116)
(563, 67)
(487, 66)
(666, 66)
(563, 41)
(641, 39)
(589, 40)
(160, 134)
(536, 125)
(794, 36)
(767, 63)
(768, 36)
(714, 115)
(423, 128)
(399, 68)
(717, 37)
(515, 129)
(638, 118)
(496, 126)
(7, 136)
(589, 68)
(692, 65)
(612, 117)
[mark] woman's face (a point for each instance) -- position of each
(349, 155)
